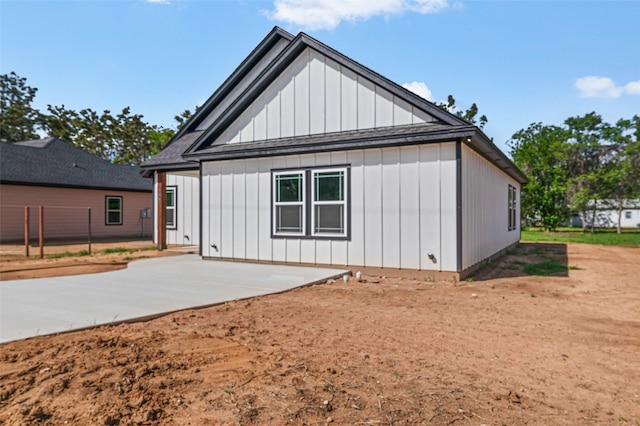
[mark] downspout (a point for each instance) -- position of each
(161, 197)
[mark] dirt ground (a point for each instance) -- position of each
(15, 266)
(506, 348)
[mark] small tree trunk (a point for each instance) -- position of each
(620, 202)
(583, 218)
(593, 216)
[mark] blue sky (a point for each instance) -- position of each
(520, 61)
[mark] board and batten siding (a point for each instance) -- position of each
(243, 84)
(485, 210)
(187, 231)
(316, 95)
(402, 207)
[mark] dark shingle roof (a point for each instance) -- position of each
(54, 162)
(362, 139)
(172, 153)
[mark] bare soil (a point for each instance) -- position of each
(504, 348)
(14, 265)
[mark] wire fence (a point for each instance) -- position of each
(40, 226)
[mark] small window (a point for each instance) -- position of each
(113, 210)
(289, 218)
(329, 203)
(171, 217)
(627, 215)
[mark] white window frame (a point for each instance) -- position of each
(301, 203)
(628, 214)
(107, 210)
(343, 202)
(174, 225)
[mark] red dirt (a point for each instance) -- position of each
(15, 266)
(505, 348)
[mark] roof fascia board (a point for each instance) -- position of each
(487, 149)
(346, 144)
(243, 69)
(251, 93)
(54, 185)
(147, 171)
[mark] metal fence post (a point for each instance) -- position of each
(26, 231)
(89, 212)
(41, 230)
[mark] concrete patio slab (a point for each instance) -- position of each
(146, 288)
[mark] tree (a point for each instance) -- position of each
(183, 117)
(468, 115)
(541, 153)
(124, 138)
(18, 119)
(588, 150)
(620, 181)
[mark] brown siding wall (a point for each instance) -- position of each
(65, 212)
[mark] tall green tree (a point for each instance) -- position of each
(620, 176)
(123, 138)
(19, 121)
(589, 150)
(541, 153)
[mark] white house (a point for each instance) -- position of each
(306, 156)
(607, 213)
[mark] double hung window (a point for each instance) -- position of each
(113, 210)
(289, 217)
(171, 208)
(311, 203)
(512, 207)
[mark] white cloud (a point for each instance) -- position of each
(158, 1)
(327, 14)
(604, 87)
(597, 87)
(420, 89)
(632, 88)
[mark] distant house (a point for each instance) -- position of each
(605, 215)
(305, 156)
(68, 181)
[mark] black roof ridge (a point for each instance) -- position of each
(233, 79)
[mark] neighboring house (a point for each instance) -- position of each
(305, 156)
(606, 215)
(67, 181)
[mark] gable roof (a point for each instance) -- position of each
(196, 142)
(295, 48)
(54, 162)
(171, 154)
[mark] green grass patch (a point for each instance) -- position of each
(117, 250)
(628, 237)
(69, 254)
(546, 268)
(112, 250)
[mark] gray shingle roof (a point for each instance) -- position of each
(172, 153)
(54, 162)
